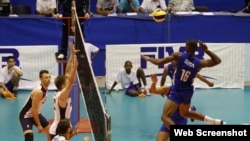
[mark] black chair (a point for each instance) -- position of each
(21, 9)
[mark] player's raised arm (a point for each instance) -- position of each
(214, 58)
(162, 61)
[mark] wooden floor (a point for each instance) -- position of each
(134, 118)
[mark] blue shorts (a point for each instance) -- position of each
(181, 95)
(131, 87)
(27, 123)
(9, 85)
(177, 122)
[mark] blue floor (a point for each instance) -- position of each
(134, 118)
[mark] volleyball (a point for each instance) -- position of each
(159, 15)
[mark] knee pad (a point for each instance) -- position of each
(28, 137)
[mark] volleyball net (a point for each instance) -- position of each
(99, 119)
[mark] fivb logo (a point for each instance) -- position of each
(5, 52)
(163, 51)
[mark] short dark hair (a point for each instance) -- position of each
(63, 126)
(42, 72)
(10, 57)
(59, 81)
(193, 44)
(127, 62)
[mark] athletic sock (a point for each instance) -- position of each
(147, 90)
(212, 121)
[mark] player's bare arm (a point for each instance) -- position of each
(203, 79)
(172, 57)
(36, 96)
(71, 75)
(214, 59)
(157, 90)
(18, 72)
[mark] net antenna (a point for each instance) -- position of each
(100, 120)
(73, 17)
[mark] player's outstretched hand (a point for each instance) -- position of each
(145, 57)
(210, 84)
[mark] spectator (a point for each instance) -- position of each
(3, 92)
(126, 6)
(148, 6)
(10, 10)
(106, 7)
(131, 80)
(180, 5)
(46, 7)
(92, 51)
(247, 6)
(10, 77)
(64, 10)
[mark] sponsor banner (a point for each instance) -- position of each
(229, 74)
(31, 59)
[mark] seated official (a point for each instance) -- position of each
(149, 6)
(46, 7)
(106, 7)
(9, 78)
(181, 5)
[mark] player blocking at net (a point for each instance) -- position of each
(100, 120)
(62, 99)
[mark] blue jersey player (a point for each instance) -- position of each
(188, 65)
(163, 134)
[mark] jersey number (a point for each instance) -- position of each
(185, 75)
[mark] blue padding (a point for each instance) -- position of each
(75, 115)
(37, 30)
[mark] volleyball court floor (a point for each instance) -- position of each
(134, 118)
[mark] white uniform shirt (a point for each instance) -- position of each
(45, 4)
(90, 48)
(1, 76)
(104, 4)
(57, 112)
(59, 138)
(8, 75)
(26, 109)
(3, 1)
(181, 5)
(125, 79)
(151, 5)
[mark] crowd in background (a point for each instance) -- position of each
(221, 5)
